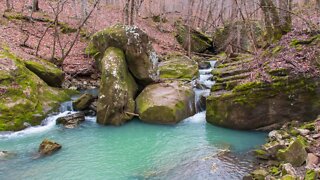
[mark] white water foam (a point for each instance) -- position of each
(197, 118)
(47, 124)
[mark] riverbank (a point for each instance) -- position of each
(290, 152)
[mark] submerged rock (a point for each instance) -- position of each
(47, 71)
(117, 89)
(6, 155)
(83, 102)
(72, 120)
(166, 103)
(140, 56)
(48, 147)
(178, 67)
(25, 98)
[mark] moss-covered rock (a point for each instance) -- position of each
(199, 41)
(140, 56)
(166, 103)
(83, 102)
(257, 104)
(295, 154)
(24, 96)
(224, 36)
(118, 88)
(178, 67)
(47, 71)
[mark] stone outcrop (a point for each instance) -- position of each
(178, 67)
(117, 89)
(238, 104)
(48, 147)
(25, 98)
(140, 56)
(166, 103)
(72, 120)
(47, 71)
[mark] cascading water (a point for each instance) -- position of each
(203, 85)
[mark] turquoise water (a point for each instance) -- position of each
(192, 149)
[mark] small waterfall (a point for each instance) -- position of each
(203, 85)
(66, 106)
(46, 125)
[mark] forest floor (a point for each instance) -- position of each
(23, 36)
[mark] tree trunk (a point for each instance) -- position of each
(35, 5)
(285, 15)
(132, 13)
(126, 12)
(8, 6)
(84, 7)
(318, 5)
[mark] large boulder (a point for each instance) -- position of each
(178, 67)
(237, 101)
(228, 35)
(199, 41)
(166, 103)
(117, 89)
(25, 98)
(47, 71)
(48, 147)
(71, 120)
(140, 55)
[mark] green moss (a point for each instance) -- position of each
(261, 154)
(27, 99)
(276, 50)
(310, 126)
(311, 175)
(275, 171)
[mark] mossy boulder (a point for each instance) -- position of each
(25, 98)
(166, 103)
(257, 104)
(140, 55)
(178, 67)
(47, 71)
(295, 154)
(117, 89)
(199, 41)
(229, 34)
(83, 102)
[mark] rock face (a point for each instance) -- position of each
(48, 147)
(25, 98)
(72, 120)
(117, 89)
(252, 105)
(165, 103)
(47, 71)
(178, 67)
(199, 41)
(83, 102)
(140, 56)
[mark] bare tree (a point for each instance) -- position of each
(35, 5)
(132, 11)
(8, 5)
(126, 12)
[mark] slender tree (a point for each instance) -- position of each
(35, 5)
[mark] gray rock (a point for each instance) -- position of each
(312, 161)
(72, 120)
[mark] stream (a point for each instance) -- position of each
(192, 149)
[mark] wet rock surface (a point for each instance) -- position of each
(48, 147)
(72, 120)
